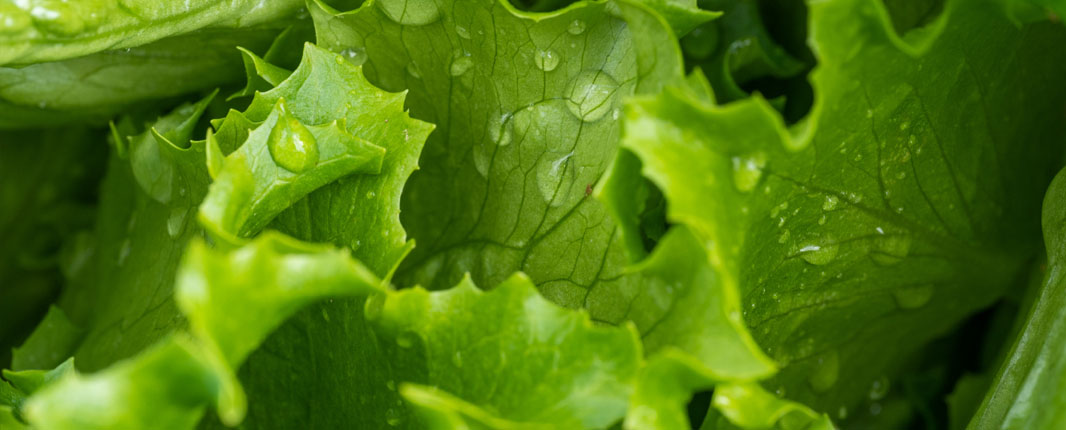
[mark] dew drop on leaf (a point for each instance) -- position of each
(913, 297)
(576, 27)
(462, 32)
(555, 177)
(410, 12)
(747, 171)
(356, 56)
(891, 249)
(825, 372)
(14, 19)
(291, 144)
(546, 60)
(124, 251)
(393, 417)
(879, 388)
(413, 70)
(461, 62)
(590, 95)
(830, 203)
(819, 255)
(176, 221)
(501, 130)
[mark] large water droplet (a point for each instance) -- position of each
(879, 388)
(461, 62)
(891, 249)
(410, 12)
(291, 144)
(913, 297)
(576, 27)
(590, 95)
(176, 221)
(819, 255)
(483, 153)
(546, 60)
(747, 171)
(555, 177)
(356, 56)
(825, 373)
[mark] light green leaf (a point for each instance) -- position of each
(905, 209)
(96, 87)
(1027, 392)
(53, 30)
(327, 88)
(537, 366)
(281, 162)
(54, 339)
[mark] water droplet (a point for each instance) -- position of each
(842, 413)
(410, 12)
(393, 417)
(462, 32)
(546, 60)
(576, 27)
(904, 125)
(405, 339)
(780, 391)
(501, 130)
(12, 18)
(822, 220)
(777, 209)
(913, 297)
(291, 144)
(124, 251)
(830, 203)
(371, 194)
(391, 385)
(701, 42)
(783, 237)
(879, 388)
(325, 314)
(590, 95)
(356, 56)
(176, 221)
(819, 255)
(748, 170)
(869, 113)
(901, 175)
(483, 154)
(555, 177)
(825, 373)
(59, 16)
(413, 70)
(891, 249)
(457, 359)
(461, 62)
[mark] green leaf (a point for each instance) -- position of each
(96, 87)
(55, 30)
(327, 88)
(1028, 388)
(233, 300)
(54, 339)
(520, 143)
(537, 366)
(900, 207)
(281, 162)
